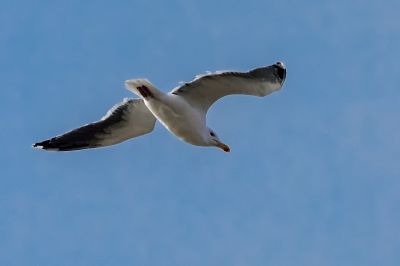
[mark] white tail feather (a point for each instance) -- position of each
(133, 84)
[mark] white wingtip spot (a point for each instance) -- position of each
(281, 64)
(35, 146)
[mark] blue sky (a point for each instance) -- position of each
(313, 176)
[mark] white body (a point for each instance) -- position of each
(181, 119)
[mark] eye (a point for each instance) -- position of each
(212, 134)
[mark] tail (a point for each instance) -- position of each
(142, 88)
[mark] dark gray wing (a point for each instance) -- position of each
(204, 90)
(126, 120)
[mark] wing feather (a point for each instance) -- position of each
(126, 120)
(204, 90)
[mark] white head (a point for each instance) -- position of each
(213, 140)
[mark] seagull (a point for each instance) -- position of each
(182, 111)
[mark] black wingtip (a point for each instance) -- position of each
(45, 145)
(281, 69)
(37, 145)
(59, 144)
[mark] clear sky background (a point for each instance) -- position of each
(313, 177)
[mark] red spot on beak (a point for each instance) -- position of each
(223, 146)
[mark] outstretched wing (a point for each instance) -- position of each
(204, 90)
(126, 120)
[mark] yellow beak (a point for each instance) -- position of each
(223, 146)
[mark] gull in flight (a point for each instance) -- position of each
(182, 111)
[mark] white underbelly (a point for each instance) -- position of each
(184, 122)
